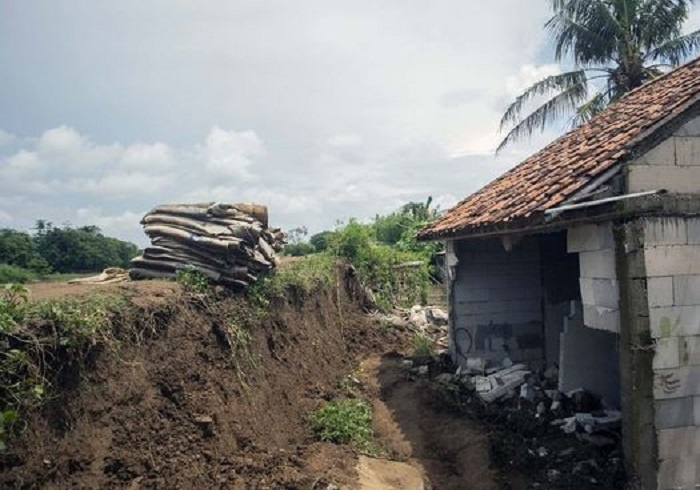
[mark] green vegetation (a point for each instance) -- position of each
(615, 46)
(423, 346)
(303, 276)
(71, 327)
(59, 249)
(192, 280)
(385, 252)
(345, 422)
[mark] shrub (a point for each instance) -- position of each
(345, 422)
(14, 274)
(377, 265)
(192, 280)
(299, 249)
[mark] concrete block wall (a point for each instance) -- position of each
(672, 263)
(600, 290)
(674, 164)
(496, 298)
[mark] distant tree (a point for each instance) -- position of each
(18, 248)
(616, 46)
(82, 249)
(320, 240)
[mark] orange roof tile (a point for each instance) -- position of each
(552, 175)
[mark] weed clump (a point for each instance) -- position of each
(192, 280)
(345, 422)
(423, 346)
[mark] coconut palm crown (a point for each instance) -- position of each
(615, 46)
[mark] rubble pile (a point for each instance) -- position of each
(429, 321)
(552, 439)
(230, 244)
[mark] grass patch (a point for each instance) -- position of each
(304, 275)
(423, 346)
(345, 422)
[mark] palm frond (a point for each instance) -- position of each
(554, 83)
(564, 102)
(677, 50)
(590, 108)
(659, 21)
(587, 30)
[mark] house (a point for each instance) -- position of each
(587, 254)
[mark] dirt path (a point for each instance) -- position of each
(450, 453)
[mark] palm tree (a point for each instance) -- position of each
(615, 45)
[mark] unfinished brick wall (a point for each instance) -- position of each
(673, 165)
(496, 300)
(672, 263)
(599, 285)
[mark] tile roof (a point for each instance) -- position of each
(546, 179)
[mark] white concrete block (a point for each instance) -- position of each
(660, 291)
(665, 231)
(693, 231)
(676, 383)
(674, 321)
(601, 318)
(655, 177)
(598, 264)
(689, 351)
(662, 154)
(679, 442)
(686, 290)
(691, 128)
(678, 474)
(672, 260)
(585, 238)
(687, 150)
(667, 354)
(600, 292)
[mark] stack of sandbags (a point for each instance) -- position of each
(230, 244)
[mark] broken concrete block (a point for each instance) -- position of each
(601, 318)
(476, 365)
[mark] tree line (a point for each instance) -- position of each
(59, 249)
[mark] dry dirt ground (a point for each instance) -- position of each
(172, 411)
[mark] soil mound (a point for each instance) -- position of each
(180, 402)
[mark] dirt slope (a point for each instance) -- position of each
(172, 409)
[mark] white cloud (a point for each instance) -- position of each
(147, 158)
(231, 153)
(6, 137)
(5, 217)
(528, 75)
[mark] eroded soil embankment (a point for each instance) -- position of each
(175, 407)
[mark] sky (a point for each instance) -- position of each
(323, 110)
